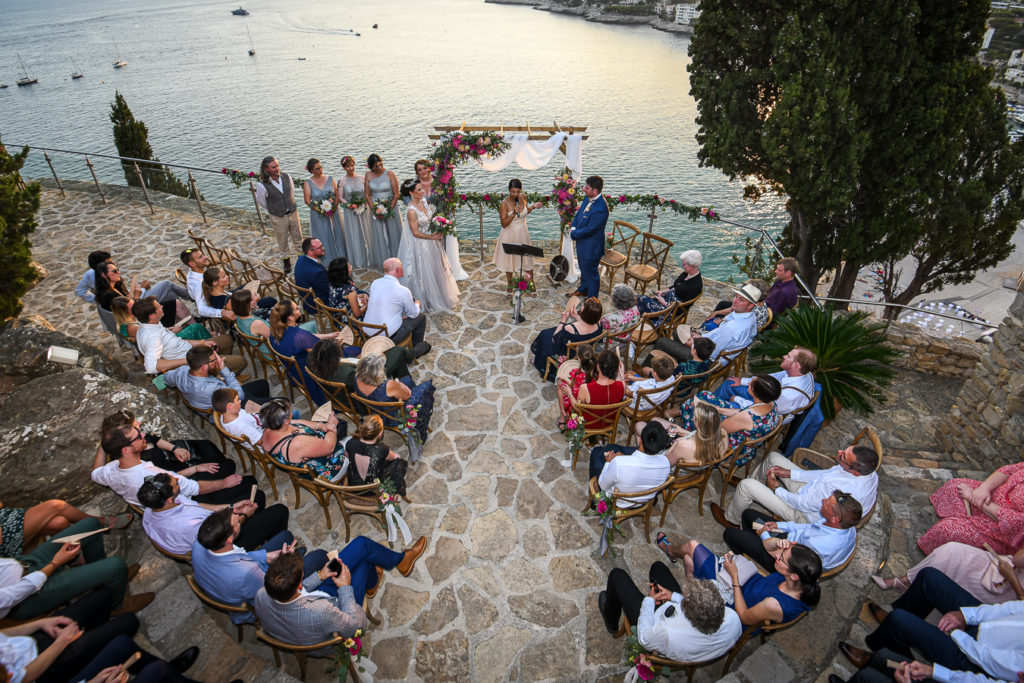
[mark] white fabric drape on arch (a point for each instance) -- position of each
(534, 154)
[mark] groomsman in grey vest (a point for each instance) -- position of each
(275, 193)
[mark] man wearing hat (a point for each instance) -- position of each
(736, 331)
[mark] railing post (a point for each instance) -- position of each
(88, 162)
(652, 215)
(142, 182)
(259, 213)
(54, 172)
(195, 193)
(480, 212)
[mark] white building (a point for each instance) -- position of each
(1014, 75)
(1016, 59)
(687, 13)
(988, 38)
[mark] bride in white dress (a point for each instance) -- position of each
(451, 246)
(427, 270)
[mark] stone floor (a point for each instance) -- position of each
(507, 588)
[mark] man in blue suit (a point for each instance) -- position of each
(588, 233)
(310, 274)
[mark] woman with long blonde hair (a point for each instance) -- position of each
(704, 445)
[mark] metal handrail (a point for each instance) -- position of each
(115, 156)
(905, 307)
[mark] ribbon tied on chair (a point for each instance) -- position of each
(395, 520)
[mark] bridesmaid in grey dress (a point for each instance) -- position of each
(354, 225)
(326, 229)
(382, 185)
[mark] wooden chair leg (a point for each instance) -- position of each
(301, 658)
(277, 657)
(239, 627)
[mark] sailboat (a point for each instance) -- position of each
(77, 72)
(252, 48)
(120, 62)
(26, 80)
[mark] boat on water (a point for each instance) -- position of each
(240, 12)
(26, 79)
(120, 62)
(252, 48)
(77, 73)
(2, 86)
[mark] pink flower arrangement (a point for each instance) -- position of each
(236, 176)
(644, 670)
(602, 507)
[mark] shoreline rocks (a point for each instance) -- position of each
(599, 17)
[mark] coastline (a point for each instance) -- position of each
(600, 17)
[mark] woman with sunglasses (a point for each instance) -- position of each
(355, 221)
(109, 286)
(577, 325)
(317, 191)
(313, 445)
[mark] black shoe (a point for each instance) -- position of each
(421, 349)
(286, 265)
(183, 661)
(602, 604)
(832, 678)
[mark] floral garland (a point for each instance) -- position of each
(382, 210)
(640, 658)
(356, 203)
(455, 148)
(343, 654)
(324, 207)
(236, 176)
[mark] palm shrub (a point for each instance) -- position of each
(854, 359)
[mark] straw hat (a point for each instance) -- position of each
(376, 344)
(750, 293)
(565, 368)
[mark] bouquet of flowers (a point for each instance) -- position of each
(388, 496)
(521, 285)
(324, 207)
(236, 176)
(609, 240)
(439, 225)
(604, 508)
(349, 650)
(566, 192)
(356, 203)
(382, 210)
(640, 658)
(575, 431)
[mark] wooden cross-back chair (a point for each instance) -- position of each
(303, 296)
(339, 396)
(301, 651)
(363, 331)
(619, 252)
(729, 468)
(763, 629)
(633, 413)
(247, 450)
(653, 254)
(602, 423)
(767, 323)
(274, 279)
(693, 476)
(571, 350)
(185, 558)
(640, 509)
(357, 500)
(328, 318)
(660, 661)
(304, 479)
(213, 254)
(295, 376)
(262, 358)
(205, 416)
(653, 325)
(622, 343)
(689, 385)
(824, 462)
(244, 608)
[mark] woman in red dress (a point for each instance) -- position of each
(996, 513)
(607, 389)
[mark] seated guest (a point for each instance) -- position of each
(577, 325)
(34, 583)
(371, 459)
(162, 351)
(373, 384)
(253, 321)
(603, 391)
(288, 339)
(662, 368)
(109, 286)
(994, 513)
(172, 520)
(779, 597)
(82, 641)
(833, 535)
(391, 305)
(182, 457)
(20, 527)
(573, 374)
(327, 359)
(205, 373)
(784, 293)
(622, 469)
(288, 612)
(87, 285)
(310, 274)
(196, 262)
(300, 444)
(126, 472)
(128, 326)
(342, 292)
(972, 569)
(236, 422)
(701, 349)
(970, 637)
(624, 317)
(217, 295)
(796, 380)
(687, 286)
(688, 623)
(706, 443)
(794, 494)
(735, 333)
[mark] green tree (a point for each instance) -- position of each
(132, 140)
(18, 206)
(851, 109)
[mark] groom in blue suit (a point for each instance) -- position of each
(588, 233)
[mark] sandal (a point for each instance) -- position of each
(120, 521)
(890, 584)
(663, 543)
(560, 424)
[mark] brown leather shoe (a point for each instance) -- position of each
(133, 571)
(719, 514)
(133, 603)
(858, 657)
(877, 612)
(411, 555)
(380, 579)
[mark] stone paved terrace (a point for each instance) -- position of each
(507, 588)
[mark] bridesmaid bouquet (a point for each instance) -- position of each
(439, 225)
(382, 210)
(324, 207)
(356, 203)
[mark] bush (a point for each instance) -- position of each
(18, 206)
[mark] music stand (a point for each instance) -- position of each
(521, 250)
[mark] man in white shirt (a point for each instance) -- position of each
(662, 368)
(391, 304)
(736, 331)
(275, 194)
(792, 493)
(970, 637)
(162, 351)
(833, 535)
(688, 623)
(639, 470)
(196, 262)
(796, 379)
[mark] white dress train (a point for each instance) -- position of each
(428, 274)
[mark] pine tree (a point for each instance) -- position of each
(18, 206)
(132, 140)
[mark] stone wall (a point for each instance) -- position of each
(987, 419)
(936, 355)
